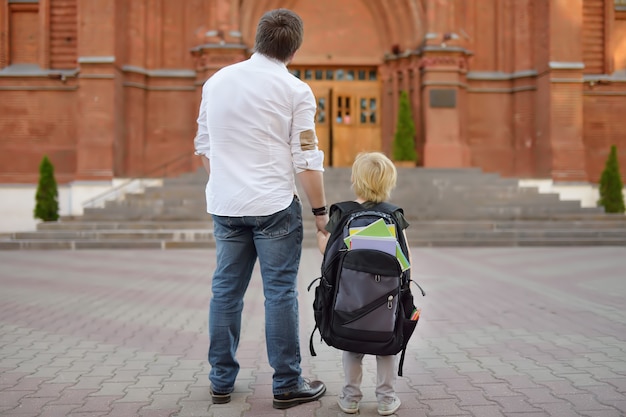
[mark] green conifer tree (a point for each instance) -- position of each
(46, 199)
(611, 194)
(404, 137)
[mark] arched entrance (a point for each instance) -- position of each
(342, 58)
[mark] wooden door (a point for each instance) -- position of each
(347, 118)
(356, 127)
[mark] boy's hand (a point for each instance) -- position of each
(322, 240)
(321, 222)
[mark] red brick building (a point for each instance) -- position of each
(110, 88)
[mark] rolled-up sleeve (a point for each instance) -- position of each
(304, 144)
(201, 142)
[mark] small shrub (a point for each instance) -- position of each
(611, 194)
(404, 137)
(46, 199)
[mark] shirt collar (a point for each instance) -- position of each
(259, 58)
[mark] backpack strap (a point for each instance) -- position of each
(401, 362)
(387, 207)
(311, 348)
(345, 207)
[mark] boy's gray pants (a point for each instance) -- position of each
(385, 376)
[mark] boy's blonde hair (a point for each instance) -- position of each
(373, 176)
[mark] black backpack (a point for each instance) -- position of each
(363, 302)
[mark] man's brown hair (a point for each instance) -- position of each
(279, 34)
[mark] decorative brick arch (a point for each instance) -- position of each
(397, 23)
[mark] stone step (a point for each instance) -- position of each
(82, 224)
(446, 207)
(600, 224)
(426, 241)
(603, 221)
(104, 244)
(416, 192)
(173, 235)
(469, 202)
(502, 212)
(148, 213)
(417, 234)
(420, 194)
(424, 193)
(503, 242)
(408, 202)
(334, 176)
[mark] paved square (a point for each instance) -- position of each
(503, 332)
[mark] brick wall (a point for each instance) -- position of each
(33, 124)
(510, 107)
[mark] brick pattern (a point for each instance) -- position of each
(150, 118)
(594, 35)
(24, 34)
(63, 34)
(604, 127)
(537, 332)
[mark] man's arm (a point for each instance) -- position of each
(308, 159)
(201, 141)
(313, 184)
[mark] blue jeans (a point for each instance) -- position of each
(277, 242)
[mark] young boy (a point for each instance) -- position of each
(373, 179)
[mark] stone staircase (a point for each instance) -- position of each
(446, 207)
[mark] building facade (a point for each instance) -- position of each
(110, 88)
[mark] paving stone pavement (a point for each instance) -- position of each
(527, 332)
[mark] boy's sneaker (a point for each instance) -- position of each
(389, 406)
(348, 406)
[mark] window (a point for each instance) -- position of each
(63, 34)
(338, 74)
(343, 110)
(367, 110)
(320, 115)
(29, 39)
(23, 46)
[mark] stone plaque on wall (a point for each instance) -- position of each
(443, 98)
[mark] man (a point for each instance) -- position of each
(256, 132)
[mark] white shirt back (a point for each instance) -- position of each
(256, 126)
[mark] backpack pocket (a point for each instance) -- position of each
(408, 307)
(365, 308)
(321, 306)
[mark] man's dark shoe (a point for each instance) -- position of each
(310, 391)
(218, 398)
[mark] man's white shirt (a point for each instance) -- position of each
(256, 125)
